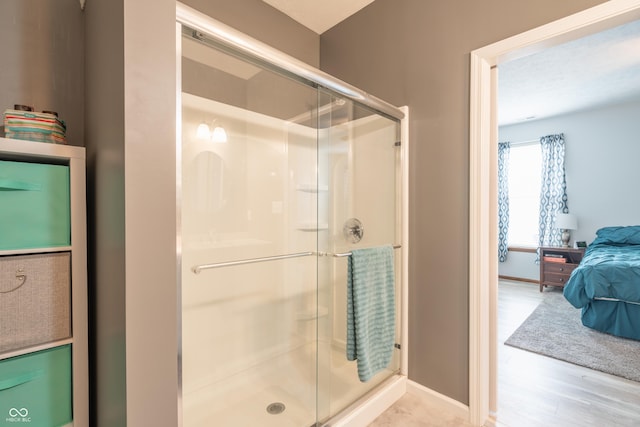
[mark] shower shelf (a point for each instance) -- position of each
(312, 226)
(312, 313)
(312, 188)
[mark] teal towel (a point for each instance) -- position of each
(370, 309)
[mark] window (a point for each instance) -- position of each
(524, 194)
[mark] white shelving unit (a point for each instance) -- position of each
(74, 157)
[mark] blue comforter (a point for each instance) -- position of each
(607, 271)
(606, 284)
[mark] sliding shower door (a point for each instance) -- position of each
(277, 178)
(359, 160)
(249, 237)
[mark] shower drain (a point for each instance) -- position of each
(275, 408)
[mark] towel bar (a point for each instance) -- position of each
(198, 268)
(344, 254)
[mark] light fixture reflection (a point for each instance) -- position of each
(219, 134)
(203, 131)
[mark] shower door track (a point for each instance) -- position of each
(198, 268)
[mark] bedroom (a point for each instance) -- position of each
(600, 171)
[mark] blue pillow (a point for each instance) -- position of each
(629, 235)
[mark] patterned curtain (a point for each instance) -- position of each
(553, 194)
(503, 199)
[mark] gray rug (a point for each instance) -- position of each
(554, 329)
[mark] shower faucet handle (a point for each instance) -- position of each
(353, 230)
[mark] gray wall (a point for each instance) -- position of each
(600, 167)
(42, 60)
(130, 139)
(106, 211)
(416, 53)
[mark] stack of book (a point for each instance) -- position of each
(32, 126)
(554, 258)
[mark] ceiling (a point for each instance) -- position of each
(593, 71)
(318, 15)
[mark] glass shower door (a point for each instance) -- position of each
(249, 221)
(271, 169)
(359, 161)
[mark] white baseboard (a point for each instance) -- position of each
(371, 408)
(491, 422)
(440, 400)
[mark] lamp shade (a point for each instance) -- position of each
(566, 221)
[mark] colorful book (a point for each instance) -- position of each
(33, 126)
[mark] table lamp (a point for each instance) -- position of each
(566, 222)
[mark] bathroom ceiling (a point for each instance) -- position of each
(318, 15)
(593, 71)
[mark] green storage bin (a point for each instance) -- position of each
(35, 389)
(35, 206)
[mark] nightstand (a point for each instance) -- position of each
(557, 263)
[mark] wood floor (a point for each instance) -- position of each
(534, 390)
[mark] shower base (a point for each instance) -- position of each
(251, 410)
(290, 379)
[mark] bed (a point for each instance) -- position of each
(606, 284)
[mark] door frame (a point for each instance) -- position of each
(483, 259)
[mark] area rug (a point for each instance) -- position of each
(554, 329)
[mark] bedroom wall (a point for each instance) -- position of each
(601, 166)
(520, 265)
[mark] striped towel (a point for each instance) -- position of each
(370, 309)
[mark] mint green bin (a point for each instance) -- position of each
(35, 389)
(34, 205)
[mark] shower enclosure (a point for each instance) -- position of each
(281, 176)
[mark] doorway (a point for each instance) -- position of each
(483, 188)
